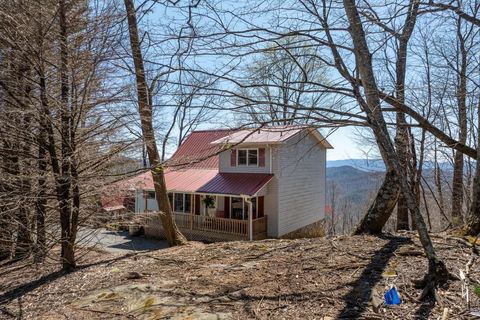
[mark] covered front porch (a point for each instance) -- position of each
(226, 208)
(239, 217)
(199, 227)
(213, 217)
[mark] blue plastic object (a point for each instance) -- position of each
(392, 297)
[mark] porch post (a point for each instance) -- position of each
(248, 200)
(192, 209)
(145, 197)
(250, 219)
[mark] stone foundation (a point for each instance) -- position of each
(314, 230)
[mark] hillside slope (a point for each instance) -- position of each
(272, 279)
(353, 184)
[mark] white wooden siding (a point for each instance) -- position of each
(225, 164)
(271, 196)
(140, 203)
(301, 183)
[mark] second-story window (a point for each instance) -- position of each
(247, 157)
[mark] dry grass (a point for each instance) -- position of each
(271, 279)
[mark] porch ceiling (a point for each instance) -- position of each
(236, 183)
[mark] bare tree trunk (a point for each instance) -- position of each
(75, 208)
(473, 223)
(41, 200)
(172, 233)
(389, 193)
(144, 155)
(381, 208)
(68, 252)
(401, 146)
(457, 183)
(438, 182)
(63, 203)
(437, 271)
(24, 241)
(403, 135)
(417, 172)
(9, 164)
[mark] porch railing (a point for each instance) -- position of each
(220, 225)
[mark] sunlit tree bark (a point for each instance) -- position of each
(172, 233)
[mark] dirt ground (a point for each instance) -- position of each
(273, 279)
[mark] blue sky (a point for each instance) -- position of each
(344, 144)
(344, 139)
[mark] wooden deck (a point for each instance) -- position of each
(198, 227)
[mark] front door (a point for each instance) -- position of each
(239, 208)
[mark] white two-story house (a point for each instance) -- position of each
(242, 184)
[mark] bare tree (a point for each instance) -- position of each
(281, 84)
(473, 224)
(64, 54)
(461, 93)
(172, 233)
(191, 108)
(437, 272)
(403, 137)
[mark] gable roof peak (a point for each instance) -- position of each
(270, 135)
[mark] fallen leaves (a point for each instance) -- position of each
(272, 279)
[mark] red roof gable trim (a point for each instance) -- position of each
(270, 135)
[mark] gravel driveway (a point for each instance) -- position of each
(117, 241)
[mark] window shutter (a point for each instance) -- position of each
(260, 206)
(197, 204)
(233, 157)
(261, 157)
(227, 207)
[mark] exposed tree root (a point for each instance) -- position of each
(382, 207)
(437, 276)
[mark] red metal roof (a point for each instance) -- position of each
(236, 183)
(264, 135)
(188, 180)
(114, 195)
(197, 151)
(270, 135)
(210, 181)
(194, 167)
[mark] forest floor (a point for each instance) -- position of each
(323, 278)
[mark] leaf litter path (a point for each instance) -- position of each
(323, 278)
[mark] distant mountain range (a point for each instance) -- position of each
(352, 184)
(358, 182)
(360, 164)
(377, 165)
